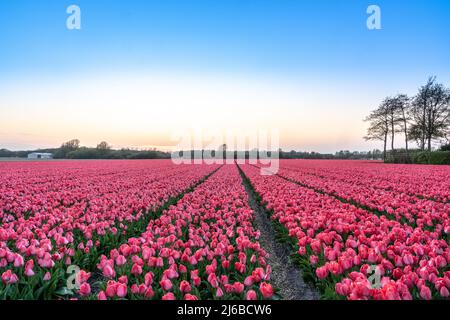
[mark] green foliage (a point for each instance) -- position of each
(419, 157)
(439, 157)
(83, 153)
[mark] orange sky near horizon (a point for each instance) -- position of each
(145, 111)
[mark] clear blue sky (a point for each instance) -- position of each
(324, 44)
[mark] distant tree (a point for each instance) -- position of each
(401, 104)
(103, 146)
(71, 145)
(4, 153)
(419, 114)
(377, 154)
(66, 148)
(379, 124)
(223, 148)
(430, 113)
(393, 119)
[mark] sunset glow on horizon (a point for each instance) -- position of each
(136, 72)
(142, 112)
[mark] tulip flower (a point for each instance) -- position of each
(251, 295)
(149, 293)
(248, 281)
(238, 287)
(121, 290)
(165, 284)
(111, 290)
(266, 290)
(185, 287)
(425, 292)
(102, 296)
(168, 296)
(219, 293)
(123, 279)
(444, 292)
(136, 269)
(120, 260)
(85, 289)
(108, 271)
(82, 276)
(322, 272)
(29, 272)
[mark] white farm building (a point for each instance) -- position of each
(39, 155)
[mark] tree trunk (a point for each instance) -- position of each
(393, 135)
(405, 127)
(406, 139)
(424, 128)
(430, 129)
(384, 150)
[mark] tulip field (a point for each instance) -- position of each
(151, 229)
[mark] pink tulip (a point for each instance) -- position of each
(148, 278)
(85, 290)
(121, 290)
(313, 260)
(238, 287)
(251, 295)
(149, 293)
(82, 276)
(248, 281)
(266, 290)
(6, 276)
(111, 289)
(102, 296)
(219, 293)
(165, 284)
(444, 292)
(322, 272)
(425, 293)
(47, 276)
(136, 269)
(108, 271)
(120, 260)
(123, 279)
(18, 261)
(185, 287)
(168, 296)
(134, 288)
(29, 269)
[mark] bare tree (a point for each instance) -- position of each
(438, 115)
(392, 114)
(379, 124)
(402, 107)
(419, 113)
(430, 113)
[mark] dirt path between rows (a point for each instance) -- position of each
(285, 275)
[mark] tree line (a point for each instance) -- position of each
(72, 149)
(423, 118)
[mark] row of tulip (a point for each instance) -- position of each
(351, 252)
(403, 207)
(429, 182)
(55, 214)
(203, 247)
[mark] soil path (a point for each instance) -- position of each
(285, 275)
